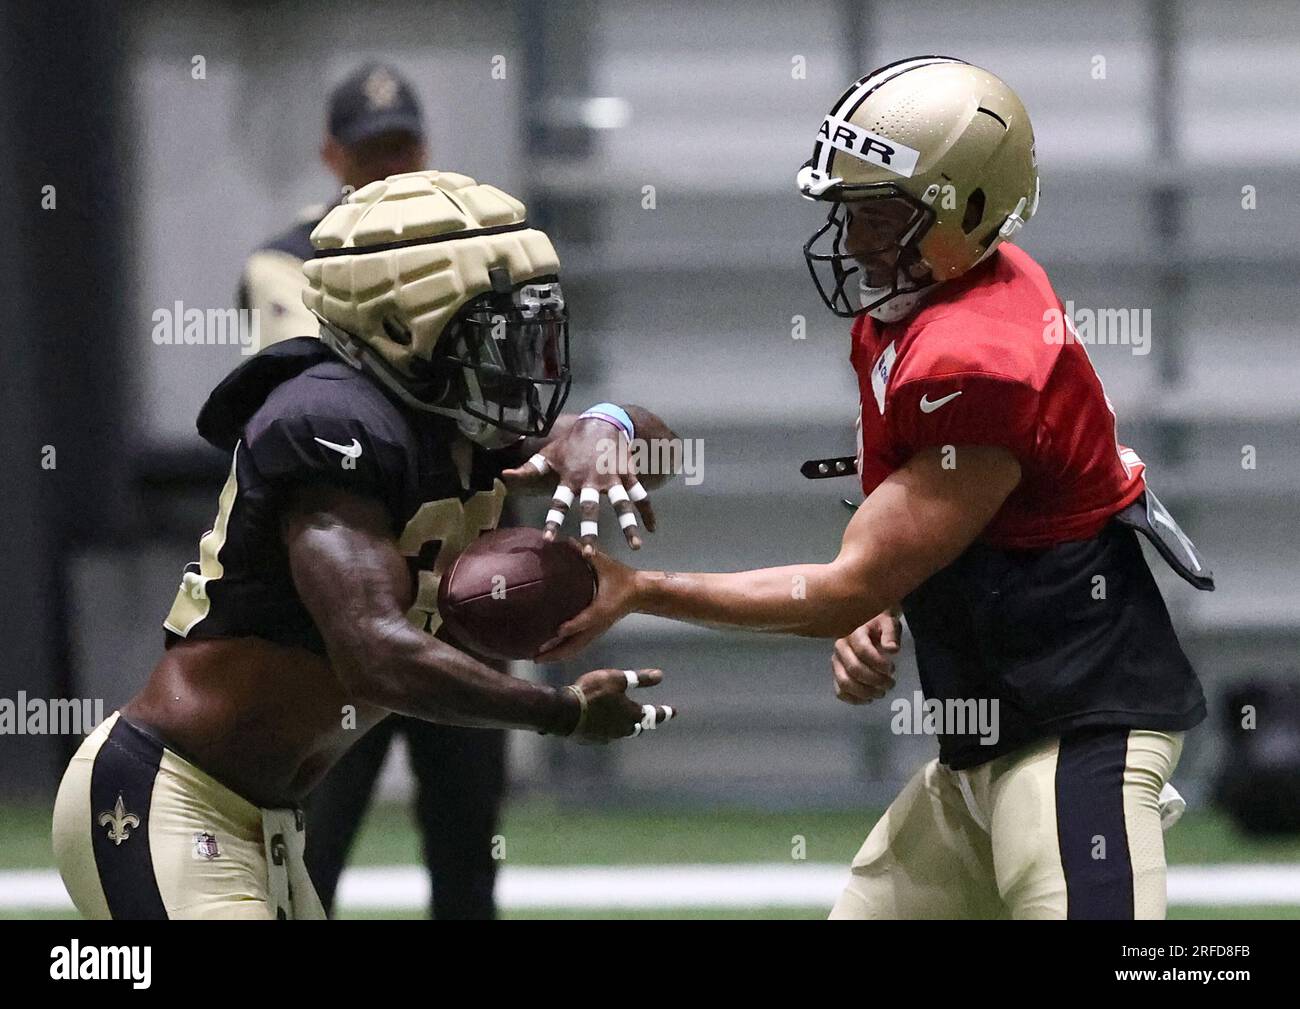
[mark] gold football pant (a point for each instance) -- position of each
(140, 833)
(1067, 828)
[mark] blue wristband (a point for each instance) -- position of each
(614, 414)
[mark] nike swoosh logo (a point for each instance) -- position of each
(928, 405)
(352, 451)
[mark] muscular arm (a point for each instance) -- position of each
(916, 522)
(355, 584)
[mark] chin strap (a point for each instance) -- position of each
(486, 435)
(357, 355)
(901, 305)
(363, 359)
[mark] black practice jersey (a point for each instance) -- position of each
(1074, 636)
(295, 414)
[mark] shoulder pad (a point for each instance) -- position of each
(969, 343)
(330, 424)
(241, 393)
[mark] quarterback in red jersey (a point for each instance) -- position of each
(972, 367)
(1001, 517)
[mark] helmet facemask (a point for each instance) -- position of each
(866, 256)
(504, 358)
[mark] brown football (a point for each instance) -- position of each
(509, 591)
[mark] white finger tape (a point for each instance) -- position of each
(632, 679)
(618, 494)
(589, 495)
(636, 730)
(563, 496)
(588, 529)
(627, 519)
(538, 462)
(668, 713)
(556, 516)
(637, 493)
(648, 716)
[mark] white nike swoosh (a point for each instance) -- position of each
(352, 451)
(929, 406)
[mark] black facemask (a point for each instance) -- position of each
(834, 263)
(504, 359)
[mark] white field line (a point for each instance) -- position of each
(810, 884)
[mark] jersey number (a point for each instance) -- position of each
(436, 535)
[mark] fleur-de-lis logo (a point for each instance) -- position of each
(119, 822)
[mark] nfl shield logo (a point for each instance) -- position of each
(205, 846)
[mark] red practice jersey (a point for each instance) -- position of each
(983, 363)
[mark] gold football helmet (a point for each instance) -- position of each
(929, 164)
(438, 287)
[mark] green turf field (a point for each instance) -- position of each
(544, 835)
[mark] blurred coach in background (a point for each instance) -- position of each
(375, 130)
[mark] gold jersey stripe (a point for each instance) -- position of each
(192, 603)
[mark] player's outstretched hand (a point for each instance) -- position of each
(615, 593)
(863, 663)
(590, 460)
(607, 711)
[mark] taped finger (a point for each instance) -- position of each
(561, 499)
(626, 513)
(589, 509)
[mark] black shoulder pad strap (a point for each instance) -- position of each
(1152, 519)
(239, 395)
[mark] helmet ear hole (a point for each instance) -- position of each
(397, 331)
(974, 211)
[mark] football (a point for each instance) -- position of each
(510, 590)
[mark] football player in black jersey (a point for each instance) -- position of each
(375, 128)
(361, 464)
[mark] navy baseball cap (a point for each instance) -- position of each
(371, 100)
